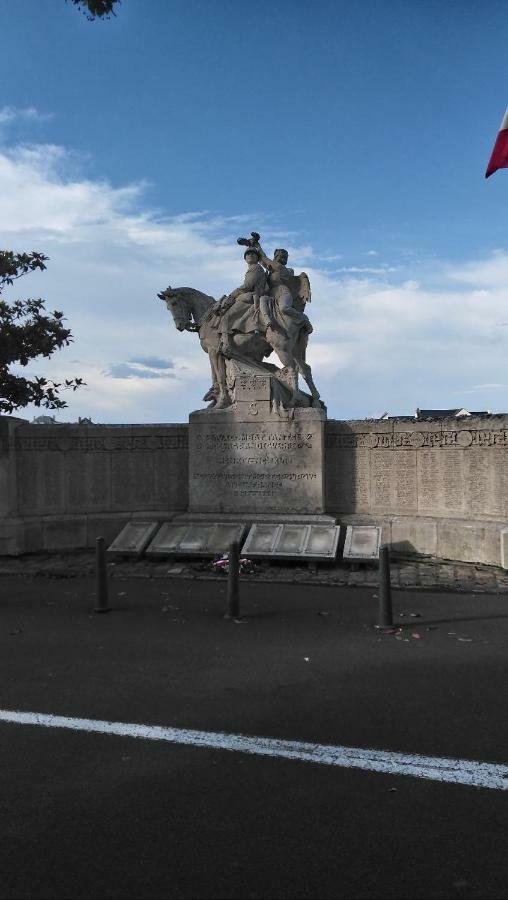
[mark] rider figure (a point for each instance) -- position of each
(245, 300)
(279, 281)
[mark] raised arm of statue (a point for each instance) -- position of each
(264, 259)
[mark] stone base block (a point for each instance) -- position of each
(414, 536)
(457, 539)
(64, 533)
(253, 518)
(19, 536)
(34, 534)
(106, 526)
(504, 548)
(469, 541)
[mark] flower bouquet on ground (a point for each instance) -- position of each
(221, 565)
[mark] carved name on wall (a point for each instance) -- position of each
(106, 444)
(413, 440)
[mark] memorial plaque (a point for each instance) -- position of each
(133, 538)
(322, 541)
(168, 539)
(256, 460)
(261, 540)
(362, 542)
(305, 542)
(195, 538)
(292, 539)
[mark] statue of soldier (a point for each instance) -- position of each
(240, 310)
(285, 290)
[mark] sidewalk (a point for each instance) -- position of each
(407, 573)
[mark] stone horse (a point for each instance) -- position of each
(194, 311)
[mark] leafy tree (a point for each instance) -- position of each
(96, 9)
(27, 331)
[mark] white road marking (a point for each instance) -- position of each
(455, 771)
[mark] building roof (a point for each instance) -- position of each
(448, 413)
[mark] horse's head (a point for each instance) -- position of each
(178, 307)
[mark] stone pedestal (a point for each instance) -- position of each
(256, 458)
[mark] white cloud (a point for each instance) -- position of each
(366, 270)
(483, 274)
(334, 257)
(378, 342)
(29, 114)
(489, 386)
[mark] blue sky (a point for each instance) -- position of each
(133, 152)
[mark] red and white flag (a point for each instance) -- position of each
(499, 157)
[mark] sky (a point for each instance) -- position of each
(135, 150)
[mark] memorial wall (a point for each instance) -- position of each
(438, 488)
(61, 486)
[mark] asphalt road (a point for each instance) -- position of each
(88, 815)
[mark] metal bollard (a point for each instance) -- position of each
(385, 588)
(233, 582)
(101, 587)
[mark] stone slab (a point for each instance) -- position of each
(106, 525)
(195, 538)
(469, 541)
(12, 537)
(256, 459)
(134, 538)
(362, 542)
(414, 536)
(290, 541)
(504, 548)
(63, 533)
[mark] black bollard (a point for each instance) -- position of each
(385, 588)
(233, 582)
(101, 586)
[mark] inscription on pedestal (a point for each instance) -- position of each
(272, 464)
(249, 388)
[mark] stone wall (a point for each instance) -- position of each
(63, 485)
(438, 488)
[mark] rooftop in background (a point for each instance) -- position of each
(421, 414)
(448, 413)
(51, 420)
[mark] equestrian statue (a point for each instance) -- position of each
(263, 315)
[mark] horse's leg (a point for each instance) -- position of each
(305, 370)
(211, 394)
(283, 350)
(223, 400)
(213, 391)
(306, 373)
